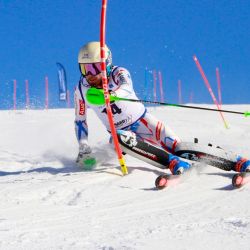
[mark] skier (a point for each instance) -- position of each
(127, 116)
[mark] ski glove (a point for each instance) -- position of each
(84, 151)
(85, 159)
(84, 148)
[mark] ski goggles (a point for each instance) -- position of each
(90, 68)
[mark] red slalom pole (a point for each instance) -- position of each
(219, 86)
(161, 86)
(14, 94)
(191, 97)
(46, 92)
(179, 92)
(155, 85)
(27, 94)
(209, 88)
(105, 88)
(68, 98)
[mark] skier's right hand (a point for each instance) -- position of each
(84, 148)
(85, 159)
(84, 151)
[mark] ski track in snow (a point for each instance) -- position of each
(47, 202)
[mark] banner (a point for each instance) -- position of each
(62, 82)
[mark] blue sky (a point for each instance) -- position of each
(163, 35)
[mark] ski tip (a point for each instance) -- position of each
(161, 182)
(238, 180)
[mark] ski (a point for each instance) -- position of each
(240, 179)
(166, 180)
(194, 153)
(206, 154)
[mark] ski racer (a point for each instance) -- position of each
(127, 116)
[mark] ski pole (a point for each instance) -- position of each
(96, 97)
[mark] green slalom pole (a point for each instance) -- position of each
(96, 97)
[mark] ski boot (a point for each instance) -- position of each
(177, 166)
(242, 165)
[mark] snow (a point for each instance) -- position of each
(47, 202)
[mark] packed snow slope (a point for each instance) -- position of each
(47, 202)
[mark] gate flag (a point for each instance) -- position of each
(62, 80)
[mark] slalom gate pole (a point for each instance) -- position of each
(14, 94)
(209, 88)
(191, 95)
(179, 92)
(219, 86)
(146, 83)
(161, 86)
(105, 89)
(46, 92)
(68, 98)
(27, 94)
(96, 97)
(155, 85)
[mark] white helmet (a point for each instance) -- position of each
(90, 53)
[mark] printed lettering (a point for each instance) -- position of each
(81, 107)
(114, 109)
